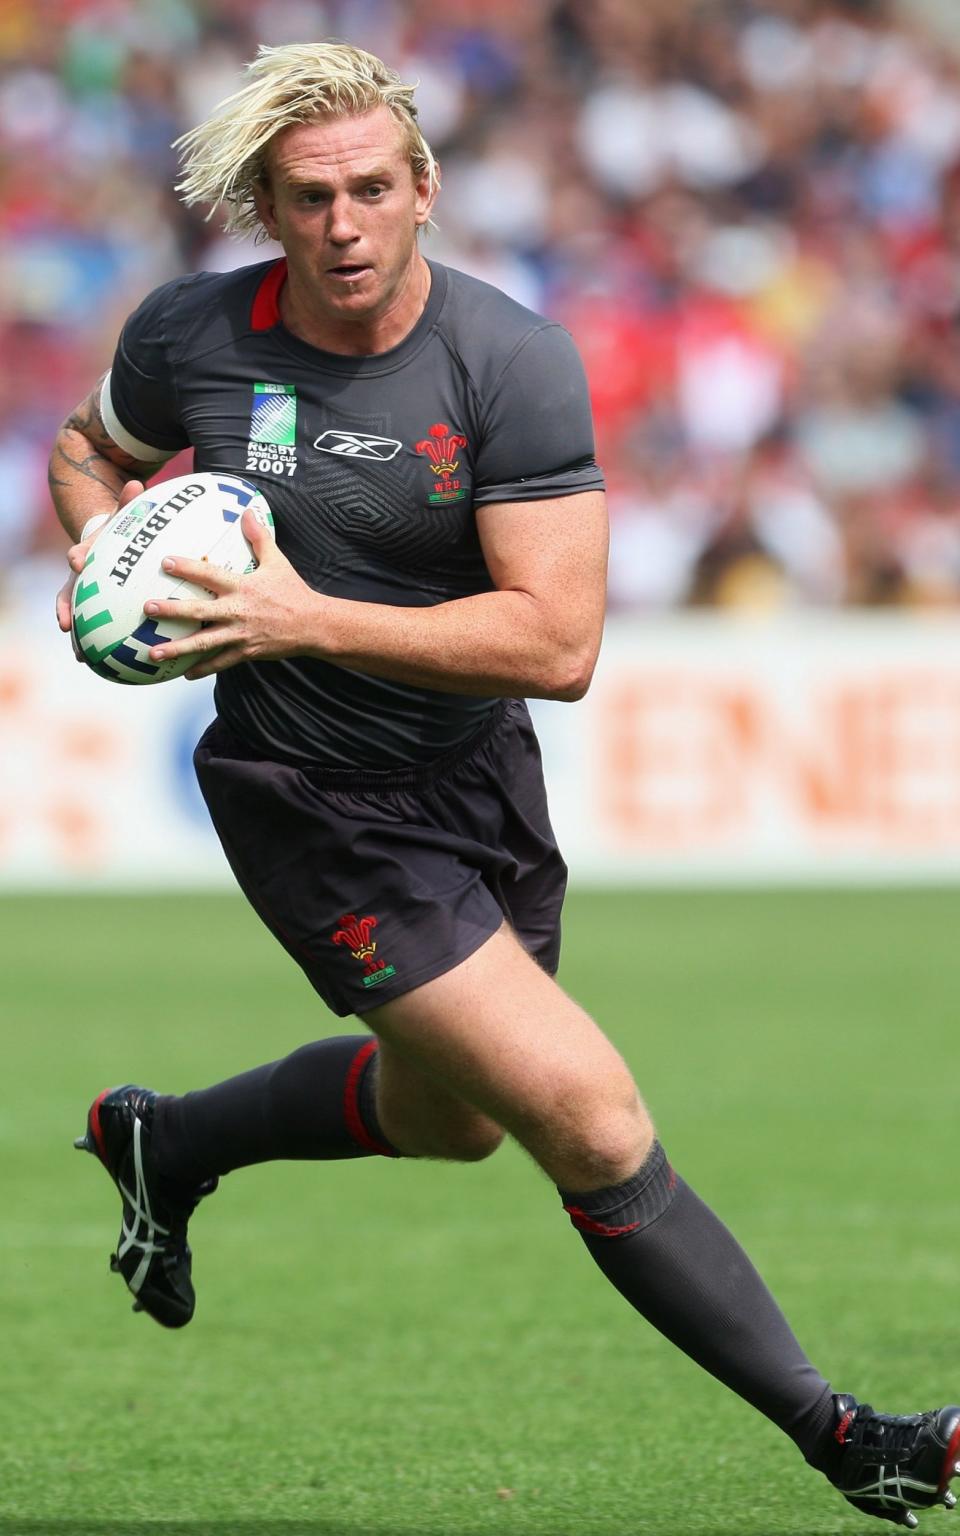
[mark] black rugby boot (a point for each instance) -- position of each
(893, 1464)
(152, 1255)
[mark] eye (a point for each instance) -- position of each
(311, 198)
(375, 191)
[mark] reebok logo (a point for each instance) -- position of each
(358, 445)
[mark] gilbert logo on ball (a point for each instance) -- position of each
(196, 517)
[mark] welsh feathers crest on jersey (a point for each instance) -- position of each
(441, 447)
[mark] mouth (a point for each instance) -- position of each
(348, 271)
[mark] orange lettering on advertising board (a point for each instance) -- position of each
(900, 737)
(672, 747)
(687, 760)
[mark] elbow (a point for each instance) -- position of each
(574, 689)
(571, 677)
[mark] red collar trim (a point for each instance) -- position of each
(265, 310)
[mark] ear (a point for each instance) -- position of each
(266, 209)
(426, 196)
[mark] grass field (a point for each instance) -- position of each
(423, 1350)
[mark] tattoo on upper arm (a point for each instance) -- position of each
(87, 420)
(90, 465)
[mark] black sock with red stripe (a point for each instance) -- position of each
(318, 1103)
(677, 1264)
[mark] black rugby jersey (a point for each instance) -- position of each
(372, 467)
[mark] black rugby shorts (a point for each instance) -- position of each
(376, 882)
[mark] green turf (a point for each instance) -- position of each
(411, 1350)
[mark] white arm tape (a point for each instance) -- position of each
(93, 525)
(145, 452)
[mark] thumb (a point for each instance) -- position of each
(130, 492)
(260, 539)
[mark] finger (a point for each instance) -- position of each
(130, 492)
(226, 656)
(260, 539)
(77, 556)
(202, 641)
(213, 578)
(65, 617)
(199, 609)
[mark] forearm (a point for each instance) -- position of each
(535, 635)
(82, 482)
(494, 644)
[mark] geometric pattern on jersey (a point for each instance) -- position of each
(370, 516)
(380, 510)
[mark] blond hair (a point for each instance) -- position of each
(224, 159)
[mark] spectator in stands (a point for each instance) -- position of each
(749, 216)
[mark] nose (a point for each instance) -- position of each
(343, 228)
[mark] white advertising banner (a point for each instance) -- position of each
(809, 749)
(813, 748)
(96, 778)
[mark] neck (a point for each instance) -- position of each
(367, 334)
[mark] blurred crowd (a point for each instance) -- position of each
(746, 211)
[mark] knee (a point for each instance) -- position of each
(608, 1149)
(595, 1140)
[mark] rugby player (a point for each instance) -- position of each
(426, 446)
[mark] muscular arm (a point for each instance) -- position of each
(536, 636)
(88, 470)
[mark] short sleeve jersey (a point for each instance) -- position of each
(373, 467)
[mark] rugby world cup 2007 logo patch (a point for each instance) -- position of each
(272, 448)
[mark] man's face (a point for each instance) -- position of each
(343, 202)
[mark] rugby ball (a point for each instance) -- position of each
(196, 517)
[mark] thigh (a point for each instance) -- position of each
(501, 1034)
